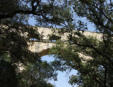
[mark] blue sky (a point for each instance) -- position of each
(90, 26)
(63, 77)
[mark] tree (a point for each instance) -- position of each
(96, 72)
(15, 34)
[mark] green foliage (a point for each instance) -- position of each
(94, 72)
(14, 50)
(91, 72)
(15, 35)
(36, 75)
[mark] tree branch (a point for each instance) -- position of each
(2, 16)
(96, 50)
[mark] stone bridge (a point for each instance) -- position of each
(43, 47)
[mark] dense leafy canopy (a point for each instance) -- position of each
(15, 35)
(96, 71)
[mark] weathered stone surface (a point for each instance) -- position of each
(43, 47)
